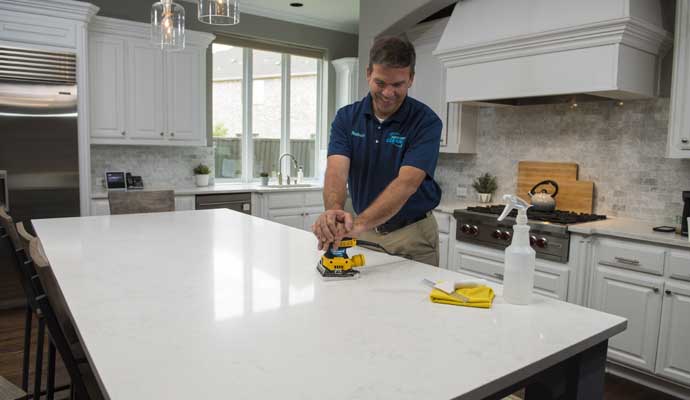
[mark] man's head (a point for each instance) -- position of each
(390, 73)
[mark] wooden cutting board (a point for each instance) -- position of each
(573, 195)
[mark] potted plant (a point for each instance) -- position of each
(201, 174)
(264, 178)
(485, 186)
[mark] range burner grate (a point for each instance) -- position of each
(557, 217)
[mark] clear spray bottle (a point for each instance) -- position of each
(518, 278)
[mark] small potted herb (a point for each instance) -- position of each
(264, 178)
(201, 174)
(485, 186)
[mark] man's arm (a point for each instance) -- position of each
(391, 200)
(334, 190)
(334, 223)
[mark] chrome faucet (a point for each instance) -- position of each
(280, 167)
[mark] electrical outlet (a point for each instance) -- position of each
(461, 191)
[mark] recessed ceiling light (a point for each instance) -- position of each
(296, 4)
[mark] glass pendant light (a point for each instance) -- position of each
(167, 25)
(219, 12)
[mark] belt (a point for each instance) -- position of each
(391, 226)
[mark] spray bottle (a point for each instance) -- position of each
(518, 278)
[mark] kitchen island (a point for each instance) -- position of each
(214, 303)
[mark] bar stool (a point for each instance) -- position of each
(8, 391)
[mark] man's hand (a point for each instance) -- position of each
(331, 227)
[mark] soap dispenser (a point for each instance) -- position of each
(520, 257)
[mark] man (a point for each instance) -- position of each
(385, 148)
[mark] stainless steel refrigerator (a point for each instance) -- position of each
(38, 136)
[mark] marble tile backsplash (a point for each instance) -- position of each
(620, 148)
(157, 165)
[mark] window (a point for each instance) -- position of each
(274, 95)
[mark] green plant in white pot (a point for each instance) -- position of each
(201, 174)
(485, 186)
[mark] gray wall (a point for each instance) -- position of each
(335, 44)
(621, 149)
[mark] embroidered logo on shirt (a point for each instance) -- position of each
(357, 134)
(395, 139)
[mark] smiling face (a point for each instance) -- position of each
(388, 87)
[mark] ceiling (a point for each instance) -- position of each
(338, 15)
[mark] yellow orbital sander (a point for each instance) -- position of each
(336, 265)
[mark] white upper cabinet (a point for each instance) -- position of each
(678, 144)
(106, 58)
(429, 86)
(142, 95)
(183, 97)
(145, 92)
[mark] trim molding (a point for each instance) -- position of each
(65, 9)
(141, 30)
(632, 32)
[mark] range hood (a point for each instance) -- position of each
(497, 51)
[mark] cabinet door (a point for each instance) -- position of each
(288, 216)
(145, 94)
(637, 297)
(107, 83)
(674, 341)
(184, 203)
(476, 262)
(184, 87)
(311, 214)
(551, 280)
(443, 250)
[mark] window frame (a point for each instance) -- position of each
(247, 145)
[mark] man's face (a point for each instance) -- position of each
(388, 87)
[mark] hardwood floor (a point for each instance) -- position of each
(12, 338)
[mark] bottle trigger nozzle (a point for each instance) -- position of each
(514, 202)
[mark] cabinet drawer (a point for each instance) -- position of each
(478, 266)
(630, 255)
(551, 281)
(313, 198)
(443, 221)
(679, 265)
(285, 200)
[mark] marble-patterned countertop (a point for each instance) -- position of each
(628, 228)
(100, 193)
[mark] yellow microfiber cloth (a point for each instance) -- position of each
(480, 296)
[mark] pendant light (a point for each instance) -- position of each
(219, 12)
(167, 25)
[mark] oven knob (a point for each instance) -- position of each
(532, 240)
(542, 242)
(465, 228)
(474, 230)
(496, 234)
(506, 235)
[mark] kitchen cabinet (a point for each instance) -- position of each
(673, 357)
(550, 278)
(164, 92)
(678, 143)
(638, 298)
(298, 209)
(443, 220)
(429, 86)
(102, 206)
(106, 58)
(185, 202)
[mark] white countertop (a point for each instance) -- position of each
(216, 189)
(201, 304)
(628, 228)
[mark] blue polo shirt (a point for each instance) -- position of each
(376, 151)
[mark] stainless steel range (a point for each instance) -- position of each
(549, 234)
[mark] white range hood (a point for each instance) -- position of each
(508, 49)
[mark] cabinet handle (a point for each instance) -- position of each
(162, 134)
(172, 134)
(668, 292)
(624, 260)
(684, 140)
(124, 133)
(499, 276)
(656, 290)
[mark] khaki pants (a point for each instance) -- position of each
(418, 241)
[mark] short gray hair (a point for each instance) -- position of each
(394, 52)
